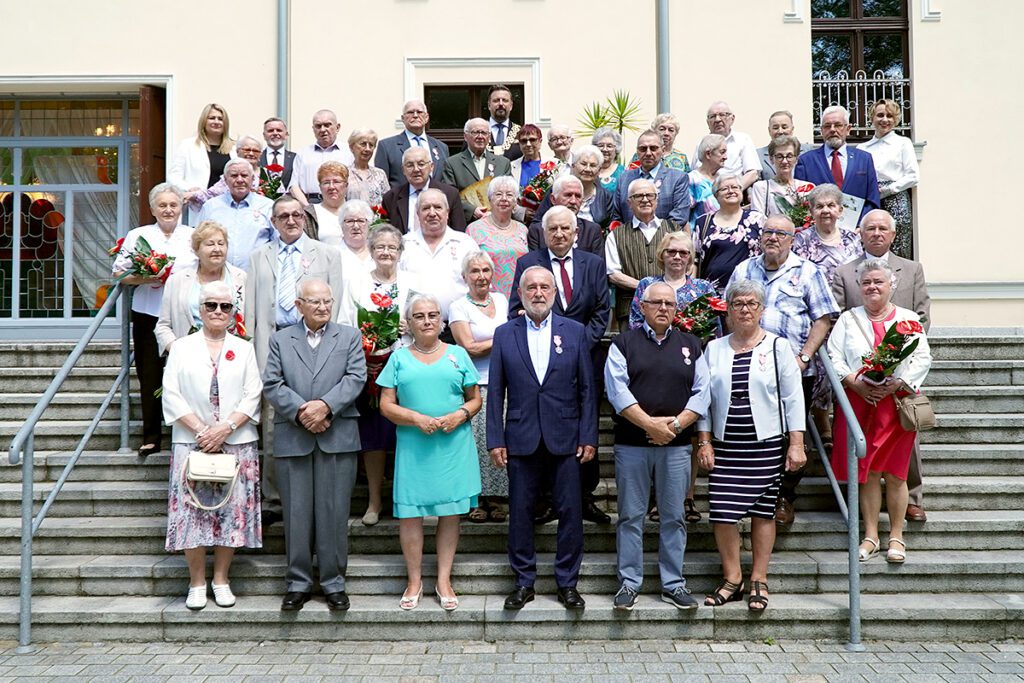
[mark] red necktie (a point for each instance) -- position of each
(837, 169)
(566, 284)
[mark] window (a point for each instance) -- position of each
(450, 106)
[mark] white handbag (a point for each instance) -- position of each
(217, 468)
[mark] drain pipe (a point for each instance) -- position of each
(282, 59)
(661, 24)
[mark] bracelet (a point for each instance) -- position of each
(705, 442)
(468, 416)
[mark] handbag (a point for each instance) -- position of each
(216, 468)
(916, 414)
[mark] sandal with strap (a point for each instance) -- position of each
(692, 514)
(758, 601)
(865, 554)
(478, 515)
(497, 514)
(895, 555)
(718, 596)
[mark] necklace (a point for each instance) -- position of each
(379, 279)
(213, 339)
(485, 304)
(424, 351)
(883, 316)
(744, 349)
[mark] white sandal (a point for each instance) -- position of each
(895, 555)
(222, 595)
(866, 555)
(196, 599)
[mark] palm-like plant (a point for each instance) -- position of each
(620, 112)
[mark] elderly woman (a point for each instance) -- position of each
(365, 182)
(897, 170)
(179, 309)
(167, 236)
(610, 143)
(354, 217)
(856, 334)
(503, 238)
(248, 148)
(597, 201)
(753, 395)
(322, 219)
(783, 150)
(527, 166)
(473, 320)
(667, 126)
(429, 391)
(712, 151)
(728, 236)
(211, 395)
(376, 433)
(198, 162)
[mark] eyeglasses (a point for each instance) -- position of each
(713, 117)
(250, 150)
(331, 182)
(643, 196)
(781, 234)
(531, 141)
(479, 133)
(414, 112)
(386, 247)
(745, 305)
(416, 164)
(676, 252)
(661, 303)
(785, 157)
(420, 317)
(559, 138)
(730, 188)
(294, 215)
(648, 148)
(355, 221)
(212, 306)
(504, 195)
(317, 303)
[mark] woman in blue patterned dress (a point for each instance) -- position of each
(727, 236)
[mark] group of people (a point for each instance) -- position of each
(489, 397)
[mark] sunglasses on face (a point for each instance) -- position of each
(212, 306)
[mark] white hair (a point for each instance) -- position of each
(237, 162)
(556, 211)
(432, 190)
(592, 150)
(503, 182)
(242, 138)
(836, 109)
(633, 183)
(473, 121)
(215, 290)
(563, 180)
(355, 207)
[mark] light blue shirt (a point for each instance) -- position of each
(538, 340)
(424, 143)
(284, 316)
(247, 223)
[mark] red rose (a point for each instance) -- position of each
(909, 327)
(613, 225)
(230, 355)
(275, 168)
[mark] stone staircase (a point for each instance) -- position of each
(100, 572)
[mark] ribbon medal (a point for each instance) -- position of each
(557, 339)
(686, 355)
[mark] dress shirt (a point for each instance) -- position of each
(413, 138)
(147, 298)
(895, 161)
(313, 338)
(311, 157)
(414, 194)
(506, 127)
(556, 269)
(741, 154)
(293, 180)
(844, 158)
(616, 378)
(538, 340)
(653, 172)
(284, 316)
(480, 162)
(247, 223)
(611, 249)
(439, 270)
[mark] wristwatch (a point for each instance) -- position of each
(676, 427)
(232, 425)
(804, 357)
(705, 442)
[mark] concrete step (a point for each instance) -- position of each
(53, 354)
(64, 435)
(35, 379)
(489, 574)
(970, 459)
(965, 428)
(977, 399)
(73, 406)
(964, 347)
(946, 373)
(956, 617)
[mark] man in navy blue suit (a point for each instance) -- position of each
(390, 150)
(541, 365)
(850, 169)
(673, 185)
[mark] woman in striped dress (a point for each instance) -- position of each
(753, 394)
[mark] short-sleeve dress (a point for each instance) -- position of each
(435, 474)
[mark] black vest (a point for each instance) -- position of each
(660, 380)
(288, 162)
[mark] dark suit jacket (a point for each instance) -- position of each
(911, 290)
(601, 209)
(560, 408)
(859, 180)
(396, 203)
(289, 164)
(674, 199)
(588, 237)
(460, 171)
(589, 305)
(389, 156)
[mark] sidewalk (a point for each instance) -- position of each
(534, 662)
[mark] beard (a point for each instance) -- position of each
(834, 143)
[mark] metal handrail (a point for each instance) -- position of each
(23, 445)
(856, 449)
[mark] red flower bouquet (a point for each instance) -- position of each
(380, 215)
(270, 181)
(144, 261)
(893, 350)
(237, 327)
(539, 186)
(700, 317)
(380, 334)
(796, 207)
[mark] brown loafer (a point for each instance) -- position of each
(916, 513)
(784, 512)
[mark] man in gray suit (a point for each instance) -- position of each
(877, 231)
(473, 164)
(275, 271)
(390, 150)
(314, 373)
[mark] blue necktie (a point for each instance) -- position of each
(286, 279)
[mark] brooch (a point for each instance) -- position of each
(454, 361)
(436, 154)
(762, 360)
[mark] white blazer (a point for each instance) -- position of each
(175, 319)
(190, 165)
(764, 403)
(847, 344)
(358, 289)
(186, 386)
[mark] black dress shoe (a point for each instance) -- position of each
(519, 597)
(571, 598)
(594, 514)
(337, 602)
(269, 518)
(545, 515)
(293, 601)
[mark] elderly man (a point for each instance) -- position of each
(741, 155)
(326, 148)
(780, 123)
(473, 164)
(244, 214)
(275, 134)
(852, 170)
(674, 200)
(434, 253)
(542, 372)
(400, 200)
(630, 252)
(390, 151)
(877, 232)
(560, 141)
(798, 307)
(650, 376)
(314, 374)
(503, 131)
(567, 191)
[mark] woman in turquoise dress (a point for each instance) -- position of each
(429, 390)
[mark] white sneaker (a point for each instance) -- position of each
(196, 599)
(222, 595)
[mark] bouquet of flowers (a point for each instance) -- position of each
(380, 334)
(796, 207)
(380, 215)
(270, 181)
(539, 186)
(700, 317)
(237, 327)
(891, 351)
(144, 261)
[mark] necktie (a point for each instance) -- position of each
(418, 140)
(566, 284)
(837, 169)
(499, 139)
(275, 156)
(645, 175)
(286, 279)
